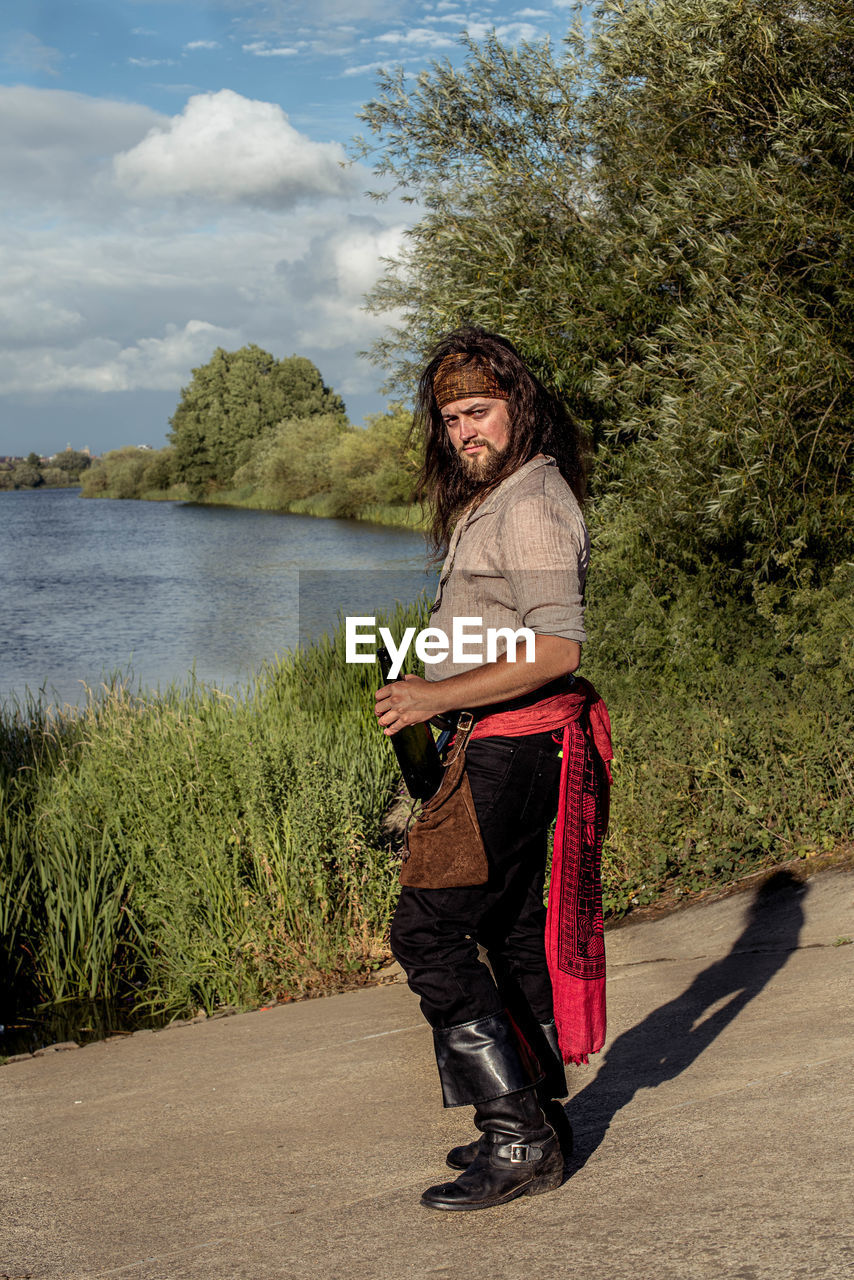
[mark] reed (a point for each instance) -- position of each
(16, 873)
(197, 848)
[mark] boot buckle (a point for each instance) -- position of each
(520, 1153)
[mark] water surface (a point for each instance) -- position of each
(159, 589)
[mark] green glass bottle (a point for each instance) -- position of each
(415, 748)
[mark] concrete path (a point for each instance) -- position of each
(714, 1133)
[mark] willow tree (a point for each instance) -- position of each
(662, 217)
(495, 155)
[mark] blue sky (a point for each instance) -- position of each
(173, 184)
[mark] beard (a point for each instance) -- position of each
(482, 470)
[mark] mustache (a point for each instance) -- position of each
(478, 441)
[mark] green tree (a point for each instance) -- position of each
(662, 218)
(376, 465)
(292, 461)
(96, 480)
(72, 461)
(26, 476)
(126, 468)
(158, 470)
(121, 473)
(234, 400)
(726, 123)
(497, 155)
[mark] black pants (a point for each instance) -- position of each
(435, 932)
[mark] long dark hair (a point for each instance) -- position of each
(539, 423)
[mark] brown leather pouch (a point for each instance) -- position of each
(443, 847)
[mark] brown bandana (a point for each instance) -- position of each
(460, 378)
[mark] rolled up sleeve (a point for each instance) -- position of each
(544, 552)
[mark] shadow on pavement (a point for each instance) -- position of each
(673, 1036)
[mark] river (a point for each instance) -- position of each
(157, 590)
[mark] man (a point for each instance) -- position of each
(503, 469)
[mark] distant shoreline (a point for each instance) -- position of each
(41, 488)
(394, 515)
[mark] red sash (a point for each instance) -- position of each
(575, 943)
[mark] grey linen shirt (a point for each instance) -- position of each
(517, 560)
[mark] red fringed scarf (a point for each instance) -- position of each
(575, 943)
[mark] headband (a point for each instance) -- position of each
(460, 377)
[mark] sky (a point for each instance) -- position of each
(173, 182)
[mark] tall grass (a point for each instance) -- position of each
(195, 849)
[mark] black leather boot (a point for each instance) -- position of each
(553, 1085)
(547, 1049)
(461, 1157)
(480, 1060)
(518, 1155)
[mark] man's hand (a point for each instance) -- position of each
(407, 701)
(412, 700)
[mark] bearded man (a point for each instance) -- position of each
(504, 476)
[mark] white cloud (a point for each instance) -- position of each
(27, 319)
(344, 266)
(229, 148)
(261, 49)
(100, 364)
(365, 69)
(356, 255)
(423, 37)
(25, 50)
(203, 44)
(158, 363)
(477, 28)
(110, 313)
(509, 32)
(53, 143)
(152, 62)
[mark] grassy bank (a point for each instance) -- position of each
(196, 850)
(399, 515)
(406, 516)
